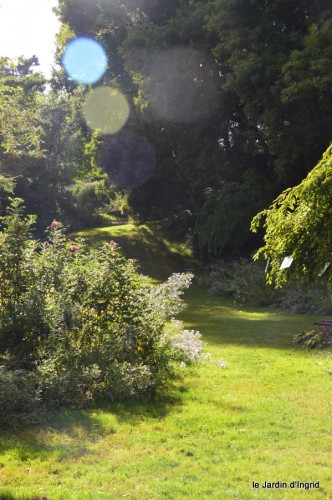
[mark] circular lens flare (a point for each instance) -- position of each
(84, 60)
(179, 84)
(106, 109)
(128, 158)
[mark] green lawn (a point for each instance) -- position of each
(265, 417)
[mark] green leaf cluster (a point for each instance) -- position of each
(299, 224)
(19, 115)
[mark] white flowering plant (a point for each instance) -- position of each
(186, 346)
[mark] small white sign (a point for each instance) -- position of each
(287, 262)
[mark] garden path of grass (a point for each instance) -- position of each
(265, 417)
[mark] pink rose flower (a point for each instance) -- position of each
(55, 224)
(113, 243)
(73, 249)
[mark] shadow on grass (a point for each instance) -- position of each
(133, 412)
(222, 322)
(67, 433)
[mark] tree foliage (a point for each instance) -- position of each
(19, 117)
(299, 224)
(46, 147)
(222, 226)
(277, 55)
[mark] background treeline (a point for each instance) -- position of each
(241, 110)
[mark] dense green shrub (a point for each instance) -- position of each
(245, 281)
(89, 198)
(305, 297)
(242, 279)
(20, 398)
(83, 321)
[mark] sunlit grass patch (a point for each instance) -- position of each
(159, 252)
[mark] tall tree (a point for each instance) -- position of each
(45, 144)
(277, 54)
(224, 90)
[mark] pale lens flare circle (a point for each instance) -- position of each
(106, 109)
(182, 85)
(84, 60)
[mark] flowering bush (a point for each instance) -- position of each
(84, 322)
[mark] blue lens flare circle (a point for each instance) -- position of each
(84, 60)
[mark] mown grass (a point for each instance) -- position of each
(158, 252)
(265, 417)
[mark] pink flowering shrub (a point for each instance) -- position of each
(55, 224)
(83, 322)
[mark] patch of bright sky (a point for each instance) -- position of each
(28, 27)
